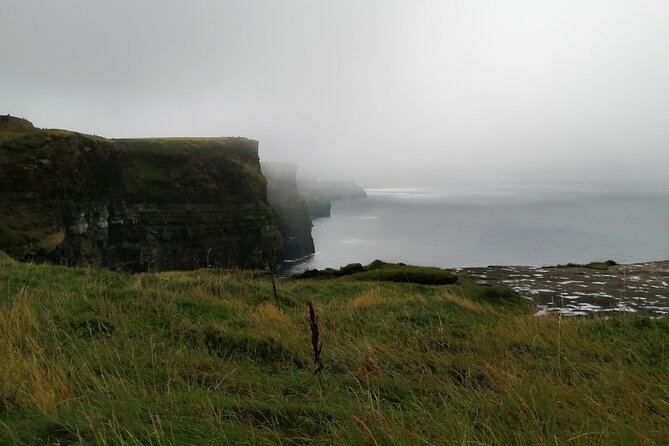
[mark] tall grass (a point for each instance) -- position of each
(209, 357)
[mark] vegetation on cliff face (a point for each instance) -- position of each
(211, 357)
(138, 204)
(200, 169)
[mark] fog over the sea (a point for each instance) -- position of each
(385, 92)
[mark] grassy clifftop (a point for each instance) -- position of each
(20, 134)
(199, 168)
(210, 357)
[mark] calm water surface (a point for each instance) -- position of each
(475, 226)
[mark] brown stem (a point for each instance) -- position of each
(276, 294)
(315, 342)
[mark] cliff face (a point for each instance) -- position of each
(319, 194)
(294, 221)
(340, 190)
(318, 204)
(135, 204)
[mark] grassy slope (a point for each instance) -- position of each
(386, 272)
(159, 165)
(207, 357)
(22, 135)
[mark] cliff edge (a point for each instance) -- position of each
(318, 204)
(320, 194)
(133, 204)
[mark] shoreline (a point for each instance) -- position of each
(577, 290)
(580, 291)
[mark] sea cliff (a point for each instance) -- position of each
(294, 220)
(133, 204)
(320, 194)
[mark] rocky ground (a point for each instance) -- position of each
(579, 291)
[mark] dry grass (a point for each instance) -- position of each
(367, 299)
(463, 303)
(52, 241)
(268, 314)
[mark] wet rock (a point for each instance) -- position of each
(582, 290)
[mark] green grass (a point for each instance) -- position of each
(386, 272)
(188, 165)
(13, 128)
(19, 225)
(21, 135)
(208, 357)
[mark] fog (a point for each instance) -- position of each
(381, 92)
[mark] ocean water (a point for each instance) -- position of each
(470, 226)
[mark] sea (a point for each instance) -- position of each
(475, 225)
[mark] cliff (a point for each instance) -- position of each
(319, 194)
(339, 190)
(133, 204)
(318, 204)
(294, 221)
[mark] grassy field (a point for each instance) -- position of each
(210, 357)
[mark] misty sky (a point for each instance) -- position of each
(384, 92)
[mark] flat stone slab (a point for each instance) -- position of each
(577, 291)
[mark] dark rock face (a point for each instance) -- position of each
(318, 207)
(294, 221)
(137, 205)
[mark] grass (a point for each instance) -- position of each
(386, 272)
(602, 266)
(188, 165)
(197, 167)
(20, 225)
(209, 357)
(19, 134)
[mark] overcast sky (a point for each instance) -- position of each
(384, 92)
